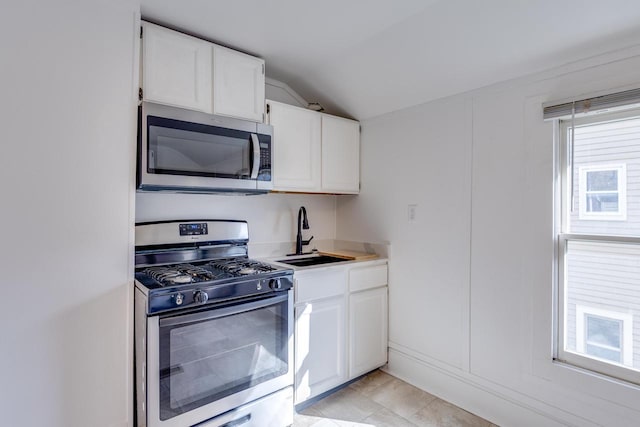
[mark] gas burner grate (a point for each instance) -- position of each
(179, 274)
(242, 266)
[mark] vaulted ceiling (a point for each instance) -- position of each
(363, 58)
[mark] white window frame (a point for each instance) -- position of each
(562, 216)
(626, 338)
(621, 214)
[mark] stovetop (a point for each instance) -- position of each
(188, 264)
(183, 286)
(209, 272)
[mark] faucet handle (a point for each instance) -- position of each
(306, 242)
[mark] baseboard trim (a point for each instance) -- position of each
(482, 398)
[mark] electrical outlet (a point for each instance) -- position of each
(411, 212)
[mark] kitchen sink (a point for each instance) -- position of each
(312, 260)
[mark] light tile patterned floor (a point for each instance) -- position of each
(381, 400)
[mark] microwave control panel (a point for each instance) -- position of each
(264, 174)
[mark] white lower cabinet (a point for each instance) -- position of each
(320, 348)
(367, 330)
(320, 331)
(340, 325)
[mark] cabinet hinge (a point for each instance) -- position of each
(141, 30)
(263, 69)
(140, 94)
(268, 108)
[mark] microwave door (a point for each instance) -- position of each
(185, 151)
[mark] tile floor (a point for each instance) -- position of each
(381, 400)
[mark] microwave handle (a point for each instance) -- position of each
(256, 156)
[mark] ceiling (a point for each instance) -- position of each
(363, 58)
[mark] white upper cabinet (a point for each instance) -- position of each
(176, 68)
(340, 155)
(296, 149)
(188, 72)
(238, 84)
(314, 152)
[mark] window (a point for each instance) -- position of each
(605, 334)
(603, 194)
(598, 236)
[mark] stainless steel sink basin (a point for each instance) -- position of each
(312, 260)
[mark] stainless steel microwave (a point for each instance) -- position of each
(188, 151)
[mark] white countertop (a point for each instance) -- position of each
(275, 260)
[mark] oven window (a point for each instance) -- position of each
(184, 148)
(203, 361)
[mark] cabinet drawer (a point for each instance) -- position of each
(362, 278)
(322, 284)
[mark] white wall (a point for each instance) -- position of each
(272, 218)
(66, 186)
(406, 161)
(471, 278)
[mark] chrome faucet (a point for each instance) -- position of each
(303, 223)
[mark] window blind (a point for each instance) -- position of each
(610, 102)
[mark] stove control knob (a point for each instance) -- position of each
(179, 299)
(275, 284)
(200, 297)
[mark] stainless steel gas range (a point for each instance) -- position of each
(213, 328)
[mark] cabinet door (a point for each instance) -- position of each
(340, 155)
(320, 347)
(296, 148)
(367, 330)
(176, 68)
(238, 84)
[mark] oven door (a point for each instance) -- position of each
(205, 363)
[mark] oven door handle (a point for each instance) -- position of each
(221, 312)
(255, 142)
